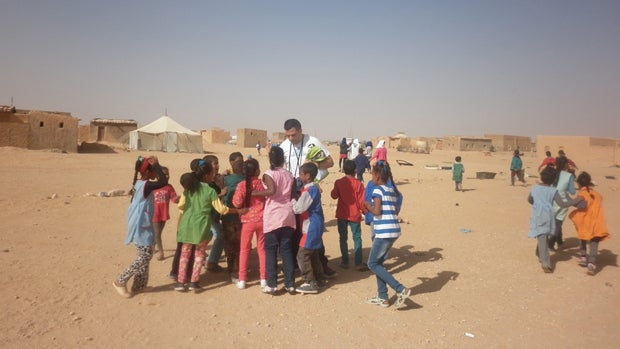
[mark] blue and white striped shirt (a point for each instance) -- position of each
(386, 224)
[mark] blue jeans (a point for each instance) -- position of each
(218, 243)
(356, 233)
(378, 253)
(280, 239)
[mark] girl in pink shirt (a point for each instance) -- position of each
(380, 153)
(278, 222)
(251, 222)
(161, 201)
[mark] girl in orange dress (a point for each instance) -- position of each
(589, 222)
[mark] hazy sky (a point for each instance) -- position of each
(343, 68)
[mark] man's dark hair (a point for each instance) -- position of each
(292, 123)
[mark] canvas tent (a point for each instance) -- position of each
(165, 134)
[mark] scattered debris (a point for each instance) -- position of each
(610, 177)
(485, 175)
(465, 230)
(404, 163)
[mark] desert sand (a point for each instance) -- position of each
(475, 279)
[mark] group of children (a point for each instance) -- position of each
(270, 208)
(550, 200)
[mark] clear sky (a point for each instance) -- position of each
(343, 68)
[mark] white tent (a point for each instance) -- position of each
(165, 134)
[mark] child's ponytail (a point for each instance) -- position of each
(137, 167)
(250, 166)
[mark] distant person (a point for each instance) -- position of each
(386, 230)
(278, 222)
(516, 168)
(589, 222)
(565, 184)
(354, 149)
(252, 222)
(380, 153)
(161, 202)
(313, 224)
(542, 219)
(457, 173)
(140, 224)
(258, 148)
(572, 167)
(547, 161)
(368, 148)
(344, 150)
(350, 195)
(362, 164)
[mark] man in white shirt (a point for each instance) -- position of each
(296, 147)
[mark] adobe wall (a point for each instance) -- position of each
(53, 130)
(214, 136)
(278, 137)
(84, 134)
(112, 133)
(584, 151)
(510, 143)
(247, 137)
(14, 130)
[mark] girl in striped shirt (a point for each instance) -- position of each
(387, 230)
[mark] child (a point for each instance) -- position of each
(516, 168)
(252, 222)
(370, 187)
(217, 183)
(457, 173)
(195, 225)
(589, 222)
(317, 155)
(185, 180)
(140, 224)
(231, 224)
(542, 220)
(350, 195)
(313, 224)
(361, 165)
(161, 199)
(565, 184)
(278, 221)
(386, 230)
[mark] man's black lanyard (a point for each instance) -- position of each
(297, 155)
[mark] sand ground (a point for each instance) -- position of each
(61, 248)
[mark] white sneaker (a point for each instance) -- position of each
(263, 283)
(241, 284)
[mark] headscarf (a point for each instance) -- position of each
(381, 144)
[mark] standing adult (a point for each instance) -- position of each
(516, 168)
(380, 153)
(344, 150)
(295, 147)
